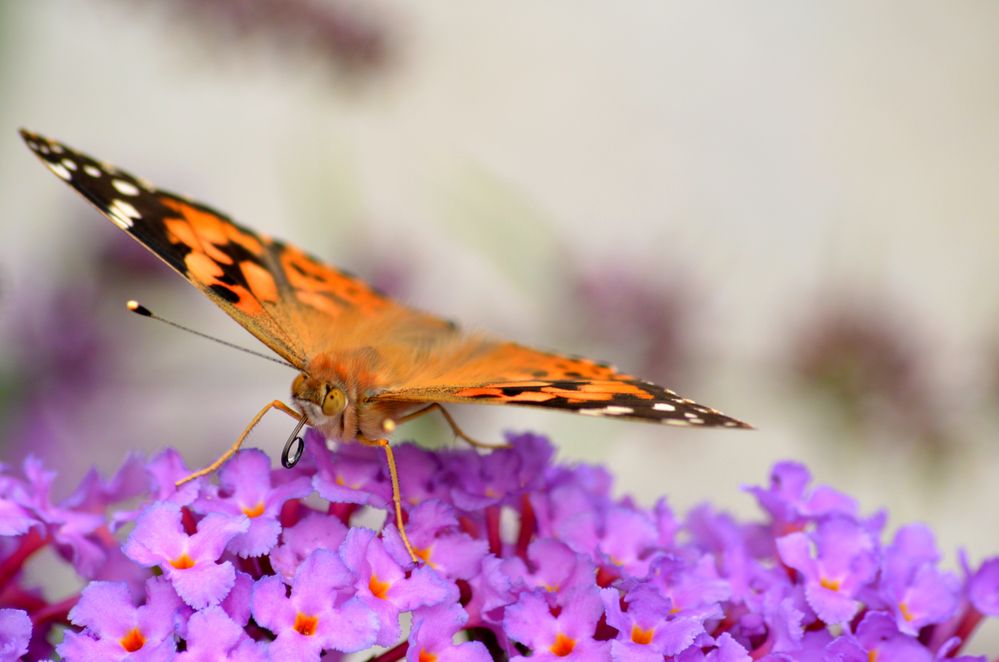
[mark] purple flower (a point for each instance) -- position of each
(790, 502)
(782, 617)
(552, 566)
(878, 638)
(164, 471)
(435, 535)
(15, 633)
(531, 621)
(521, 559)
(14, 520)
(318, 615)
(382, 585)
(844, 562)
(724, 649)
(620, 537)
(115, 629)
(73, 531)
(245, 489)
(214, 637)
(189, 562)
(421, 480)
(313, 532)
(431, 637)
(499, 477)
(647, 630)
(354, 475)
(690, 583)
(237, 603)
(983, 589)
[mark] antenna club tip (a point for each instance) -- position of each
(138, 308)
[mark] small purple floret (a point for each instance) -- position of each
(189, 562)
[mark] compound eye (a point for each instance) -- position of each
(334, 402)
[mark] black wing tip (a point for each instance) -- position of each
(38, 143)
(740, 425)
(29, 137)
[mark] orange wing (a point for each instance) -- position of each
(511, 374)
(300, 307)
(286, 298)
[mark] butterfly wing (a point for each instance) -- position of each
(506, 373)
(299, 306)
(276, 291)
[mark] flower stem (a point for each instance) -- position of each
(493, 530)
(528, 523)
(30, 543)
(54, 613)
(393, 654)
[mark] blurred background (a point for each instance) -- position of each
(787, 211)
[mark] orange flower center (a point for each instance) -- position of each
(132, 641)
(424, 555)
(906, 612)
(640, 636)
(182, 562)
(563, 645)
(378, 588)
(426, 657)
(255, 511)
(831, 584)
(305, 625)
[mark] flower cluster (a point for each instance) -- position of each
(520, 557)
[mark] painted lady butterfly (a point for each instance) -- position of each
(366, 363)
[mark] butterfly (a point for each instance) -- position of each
(366, 362)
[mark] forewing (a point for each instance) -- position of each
(276, 291)
(511, 374)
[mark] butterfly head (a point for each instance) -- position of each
(323, 401)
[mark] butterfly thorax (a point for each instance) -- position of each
(334, 390)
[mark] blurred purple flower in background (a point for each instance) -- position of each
(873, 369)
(60, 354)
(348, 36)
(619, 302)
(268, 565)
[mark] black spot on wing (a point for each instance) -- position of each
(105, 185)
(224, 293)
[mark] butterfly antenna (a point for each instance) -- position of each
(139, 309)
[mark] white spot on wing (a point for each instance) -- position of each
(69, 163)
(57, 148)
(609, 410)
(676, 421)
(616, 409)
(93, 171)
(663, 406)
(125, 188)
(123, 214)
(60, 170)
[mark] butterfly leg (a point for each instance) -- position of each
(396, 498)
(450, 421)
(276, 404)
